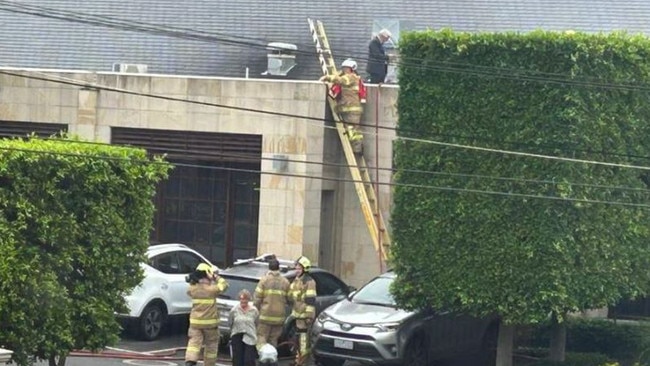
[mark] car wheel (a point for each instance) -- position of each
(151, 322)
(325, 361)
(417, 351)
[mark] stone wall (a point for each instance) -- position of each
(290, 204)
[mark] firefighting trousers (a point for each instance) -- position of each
(209, 339)
(304, 348)
(268, 333)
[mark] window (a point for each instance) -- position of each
(165, 263)
(189, 261)
(328, 285)
(375, 292)
(235, 285)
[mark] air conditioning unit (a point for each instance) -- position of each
(130, 68)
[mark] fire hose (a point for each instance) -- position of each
(164, 355)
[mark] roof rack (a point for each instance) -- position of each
(266, 258)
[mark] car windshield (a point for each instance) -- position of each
(376, 292)
(236, 284)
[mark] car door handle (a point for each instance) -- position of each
(164, 286)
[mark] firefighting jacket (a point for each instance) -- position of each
(271, 296)
(335, 91)
(303, 295)
(348, 100)
(204, 312)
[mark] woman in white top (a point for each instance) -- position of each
(243, 335)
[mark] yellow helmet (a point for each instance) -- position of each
(204, 267)
(304, 262)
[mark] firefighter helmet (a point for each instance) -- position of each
(349, 63)
(304, 262)
(204, 267)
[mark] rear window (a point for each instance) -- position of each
(236, 284)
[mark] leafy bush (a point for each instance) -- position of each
(624, 342)
(577, 359)
(75, 220)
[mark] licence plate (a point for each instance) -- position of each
(339, 343)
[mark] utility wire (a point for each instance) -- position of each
(245, 157)
(462, 68)
(85, 84)
(406, 185)
(191, 34)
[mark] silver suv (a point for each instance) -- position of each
(246, 273)
(368, 327)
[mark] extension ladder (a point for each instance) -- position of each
(358, 167)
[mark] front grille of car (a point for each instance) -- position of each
(363, 350)
(347, 335)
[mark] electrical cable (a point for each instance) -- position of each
(175, 30)
(293, 175)
(243, 157)
(192, 34)
(85, 84)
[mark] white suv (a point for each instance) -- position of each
(162, 293)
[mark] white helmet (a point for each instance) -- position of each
(349, 63)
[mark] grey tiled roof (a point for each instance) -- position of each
(30, 41)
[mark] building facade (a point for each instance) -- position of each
(258, 166)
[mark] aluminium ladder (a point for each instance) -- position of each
(357, 164)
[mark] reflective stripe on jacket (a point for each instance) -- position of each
(303, 295)
(271, 296)
(348, 100)
(204, 312)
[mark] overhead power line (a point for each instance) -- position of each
(406, 185)
(85, 84)
(251, 42)
(248, 158)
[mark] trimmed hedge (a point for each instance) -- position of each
(624, 342)
(577, 359)
(512, 235)
(75, 220)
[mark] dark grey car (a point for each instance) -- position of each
(368, 327)
(245, 274)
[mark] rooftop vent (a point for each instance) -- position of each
(281, 58)
(130, 68)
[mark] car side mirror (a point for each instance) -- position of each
(351, 294)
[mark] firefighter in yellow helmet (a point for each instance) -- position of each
(205, 286)
(348, 103)
(303, 294)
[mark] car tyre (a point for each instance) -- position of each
(416, 353)
(326, 361)
(151, 322)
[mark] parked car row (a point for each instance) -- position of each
(364, 325)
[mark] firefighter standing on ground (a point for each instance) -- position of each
(271, 298)
(205, 286)
(348, 101)
(303, 295)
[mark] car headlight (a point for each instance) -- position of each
(323, 317)
(387, 327)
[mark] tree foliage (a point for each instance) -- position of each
(74, 229)
(540, 242)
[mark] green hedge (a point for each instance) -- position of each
(509, 234)
(75, 220)
(577, 359)
(624, 342)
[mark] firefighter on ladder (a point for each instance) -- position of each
(303, 294)
(205, 286)
(349, 92)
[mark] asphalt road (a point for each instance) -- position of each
(131, 351)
